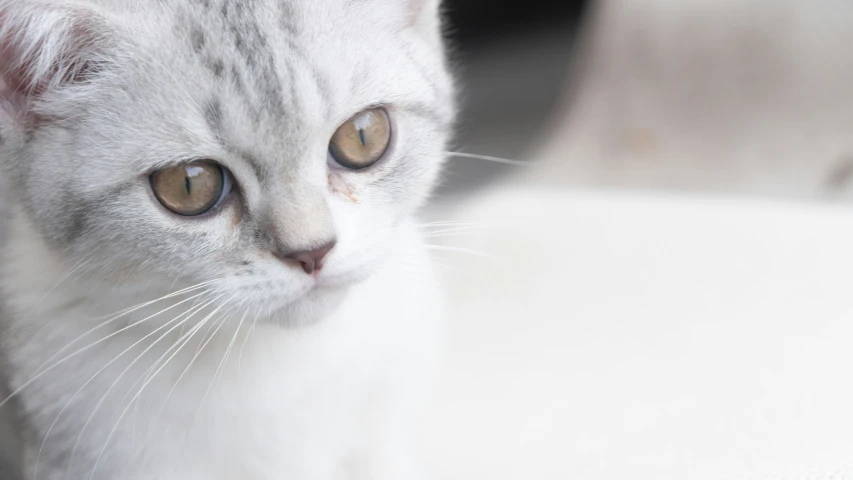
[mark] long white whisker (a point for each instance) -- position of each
(89, 381)
(124, 412)
(243, 346)
(448, 267)
(447, 224)
(207, 392)
(182, 335)
(186, 369)
(447, 232)
(115, 382)
(78, 263)
(220, 369)
(460, 250)
(230, 346)
(64, 277)
(84, 349)
(503, 161)
(118, 315)
(204, 338)
(452, 230)
(184, 339)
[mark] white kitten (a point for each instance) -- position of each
(196, 283)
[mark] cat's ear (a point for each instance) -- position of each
(425, 16)
(45, 46)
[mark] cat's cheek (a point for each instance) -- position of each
(340, 187)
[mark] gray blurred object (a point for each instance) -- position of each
(511, 83)
(744, 96)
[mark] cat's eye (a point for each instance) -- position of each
(362, 140)
(190, 189)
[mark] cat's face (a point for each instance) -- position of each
(215, 139)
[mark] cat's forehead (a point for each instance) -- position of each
(266, 80)
(331, 33)
(283, 65)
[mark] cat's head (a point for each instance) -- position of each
(232, 140)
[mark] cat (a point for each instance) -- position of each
(211, 264)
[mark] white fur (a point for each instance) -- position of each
(253, 369)
(316, 402)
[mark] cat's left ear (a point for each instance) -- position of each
(46, 47)
(425, 16)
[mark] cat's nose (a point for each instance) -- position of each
(312, 261)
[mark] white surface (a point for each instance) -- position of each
(647, 337)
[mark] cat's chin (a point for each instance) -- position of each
(309, 309)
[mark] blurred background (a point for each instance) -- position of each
(734, 96)
(513, 66)
(661, 291)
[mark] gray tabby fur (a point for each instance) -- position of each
(117, 89)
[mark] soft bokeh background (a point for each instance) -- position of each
(710, 95)
(664, 292)
(513, 66)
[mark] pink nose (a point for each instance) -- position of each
(313, 261)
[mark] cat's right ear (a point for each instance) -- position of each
(45, 47)
(425, 17)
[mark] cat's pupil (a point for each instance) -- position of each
(188, 186)
(361, 137)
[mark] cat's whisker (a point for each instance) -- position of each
(115, 382)
(444, 248)
(204, 338)
(243, 346)
(450, 231)
(182, 291)
(80, 264)
(121, 314)
(147, 382)
(148, 373)
(233, 340)
(220, 368)
(445, 235)
(195, 415)
(85, 384)
(447, 224)
(181, 343)
(88, 347)
(448, 267)
(186, 369)
(488, 158)
(184, 326)
(454, 228)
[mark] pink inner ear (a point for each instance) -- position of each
(13, 68)
(12, 85)
(45, 46)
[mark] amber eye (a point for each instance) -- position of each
(190, 189)
(363, 140)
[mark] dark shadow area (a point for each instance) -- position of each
(474, 21)
(512, 64)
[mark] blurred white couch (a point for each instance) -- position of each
(647, 337)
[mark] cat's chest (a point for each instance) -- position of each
(252, 418)
(260, 403)
(300, 405)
